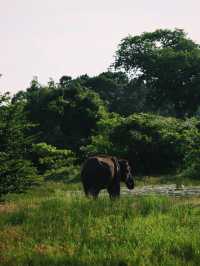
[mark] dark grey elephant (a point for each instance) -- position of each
(105, 172)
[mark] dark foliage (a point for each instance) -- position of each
(169, 65)
(153, 144)
(141, 111)
(16, 172)
(66, 113)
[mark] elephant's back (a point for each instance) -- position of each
(97, 170)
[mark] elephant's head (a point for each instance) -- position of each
(126, 175)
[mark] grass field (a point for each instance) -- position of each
(50, 226)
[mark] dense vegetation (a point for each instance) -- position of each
(145, 108)
(47, 226)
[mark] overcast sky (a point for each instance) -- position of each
(51, 38)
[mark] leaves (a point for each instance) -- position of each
(169, 65)
(16, 172)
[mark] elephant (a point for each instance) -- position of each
(105, 172)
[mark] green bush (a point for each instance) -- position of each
(66, 174)
(55, 164)
(16, 174)
(191, 166)
(153, 144)
(101, 142)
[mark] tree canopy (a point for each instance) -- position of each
(65, 114)
(168, 63)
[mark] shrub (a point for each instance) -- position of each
(55, 164)
(191, 165)
(153, 144)
(16, 174)
(66, 174)
(101, 142)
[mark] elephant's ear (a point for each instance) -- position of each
(116, 167)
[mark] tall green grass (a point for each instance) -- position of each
(57, 228)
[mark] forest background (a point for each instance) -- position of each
(145, 108)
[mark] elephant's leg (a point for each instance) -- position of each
(90, 191)
(85, 187)
(93, 192)
(114, 190)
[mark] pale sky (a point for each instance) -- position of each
(52, 38)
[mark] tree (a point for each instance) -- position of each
(168, 63)
(66, 114)
(15, 140)
(16, 171)
(110, 86)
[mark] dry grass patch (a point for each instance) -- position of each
(8, 207)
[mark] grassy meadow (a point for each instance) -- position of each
(49, 225)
